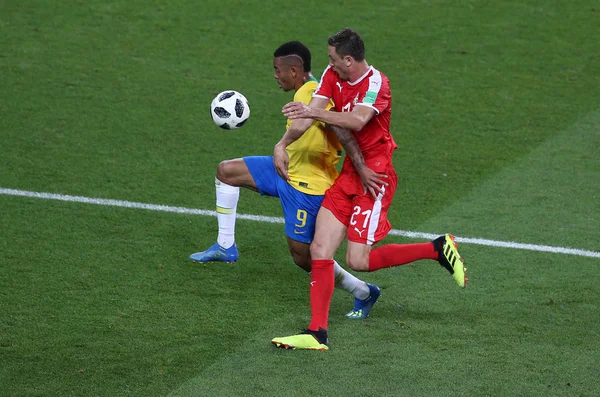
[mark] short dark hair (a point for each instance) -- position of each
(295, 48)
(348, 42)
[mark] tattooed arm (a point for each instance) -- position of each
(370, 179)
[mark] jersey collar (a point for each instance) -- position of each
(362, 77)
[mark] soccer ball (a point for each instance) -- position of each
(230, 110)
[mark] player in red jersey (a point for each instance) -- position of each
(356, 206)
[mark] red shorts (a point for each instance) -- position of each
(363, 215)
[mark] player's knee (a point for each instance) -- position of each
(358, 264)
(224, 171)
(317, 250)
(301, 259)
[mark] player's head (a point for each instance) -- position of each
(291, 62)
(346, 48)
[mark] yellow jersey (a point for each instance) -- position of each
(313, 156)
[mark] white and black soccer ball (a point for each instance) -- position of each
(230, 110)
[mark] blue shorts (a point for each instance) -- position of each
(299, 209)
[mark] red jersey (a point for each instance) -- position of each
(372, 90)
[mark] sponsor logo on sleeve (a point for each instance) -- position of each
(370, 97)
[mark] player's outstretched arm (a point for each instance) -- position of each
(354, 120)
(296, 130)
(371, 180)
(281, 160)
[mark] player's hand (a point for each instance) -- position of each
(297, 110)
(372, 181)
(281, 161)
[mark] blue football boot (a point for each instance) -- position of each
(362, 307)
(216, 253)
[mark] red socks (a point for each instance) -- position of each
(322, 275)
(321, 291)
(391, 255)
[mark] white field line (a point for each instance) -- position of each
(272, 219)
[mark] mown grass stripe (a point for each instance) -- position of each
(272, 219)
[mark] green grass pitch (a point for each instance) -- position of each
(496, 112)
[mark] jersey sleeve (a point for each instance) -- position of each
(324, 89)
(378, 94)
(304, 94)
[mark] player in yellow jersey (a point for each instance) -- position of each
(311, 171)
